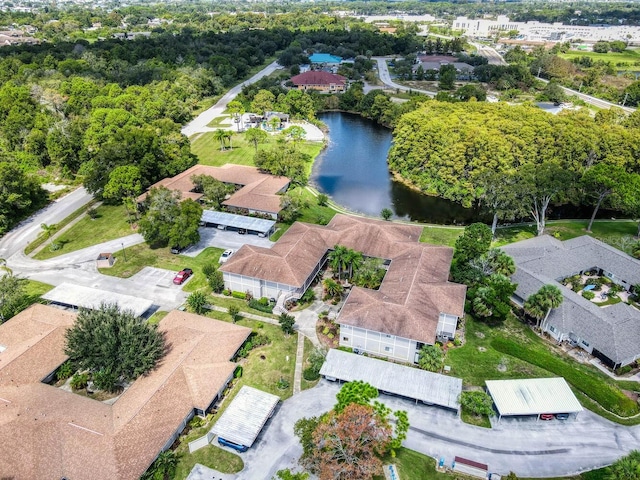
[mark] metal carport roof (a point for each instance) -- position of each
(237, 221)
(87, 297)
(533, 396)
(243, 420)
(409, 382)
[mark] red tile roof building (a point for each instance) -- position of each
(320, 80)
(48, 432)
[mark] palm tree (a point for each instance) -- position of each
(333, 288)
(48, 229)
(220, 135)
(535, 308)
(501, 262)
(229, 136)
(337, 258)
(354, 260)
(551, 298)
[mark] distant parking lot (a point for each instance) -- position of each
(212, 237)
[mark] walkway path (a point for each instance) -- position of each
(297, 375)
(199, 124)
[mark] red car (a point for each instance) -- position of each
(547, 416)
(182, 276)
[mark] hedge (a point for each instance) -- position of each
(257, 305)
(609, 397)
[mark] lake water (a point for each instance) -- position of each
(353, 171)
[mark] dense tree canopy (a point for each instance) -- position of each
(113, 342)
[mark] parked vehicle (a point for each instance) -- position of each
(242, 231)
(235, 446)
(225, 256)
(182, 276)
(547, 416)
(562, 416)
(176, 250)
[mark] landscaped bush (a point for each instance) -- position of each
(623, 370)
(309, 296)
(477, 402)
(105, 380)
(609, 397)
(65, 371)
(257, 305)
(79, 381)
(255, 340)
(310, 374)
(588, 294)
(240, 295)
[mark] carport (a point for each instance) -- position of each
(231, 221)
(76, 296)
(243, 420)
(391, 378)
(533, 397)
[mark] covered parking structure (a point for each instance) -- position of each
(391, 378)
(76, 296)
(239, 223)
(243, 420)
(533, 397)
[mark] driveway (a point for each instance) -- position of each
(212, 237)
(529, 448)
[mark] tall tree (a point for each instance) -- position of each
(538, 185)
(236, 109)
(113, 341)
(255, 136)
(540, 304)
(13, 294)
(124, 186)
(162, 208)
(337, 259)
(184, 230)
(600, 182)
(499, 195)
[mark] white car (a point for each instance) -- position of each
(225, 256)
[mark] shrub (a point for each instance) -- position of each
(282, 384)
(238, 372)
(197, 422)
(286, 323)
(79, 381)
(309, 296)
(65, 371)
(264, 301)
(226, 292)
(477, 402)
(234, 311)
(623, 370)
(105, 380)
(589, 295)
(322, 199)
(608, 396)
(310, 374)
(248, 296)
(93, 213)
(257, 305)
(240, 295)
(209, 269)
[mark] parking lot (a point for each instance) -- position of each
(156, 276)
(212, 237)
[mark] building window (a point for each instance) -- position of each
(388, 349)
(552, 329)
(388, 336)
(345, 339)
(585, 343)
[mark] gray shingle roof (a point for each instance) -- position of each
(613, 330)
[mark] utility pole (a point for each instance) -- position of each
(124, 252)
(626, 95)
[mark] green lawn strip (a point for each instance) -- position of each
(221, 121)
(609, 301)
(35, 289)
(590, 404)
(243, 306)
(477, 361)
(629, 56)
(591, 383)
(513, 234)
(308, 348)
(157, 316)
(416, 466)
(210, 456)
(43, 238)
(140, 256)
(110, 224)
(473, 419)
(440, 235)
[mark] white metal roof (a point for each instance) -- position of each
(533, 396)
(242, 421)
(87, 297)
(237, 221)
(390, 377)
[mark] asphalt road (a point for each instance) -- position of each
(529, 448)
(490, 53)
(385, 77)
(596, 102)
(199, 124)
(27, 230)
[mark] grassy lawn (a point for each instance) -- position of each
(473, 419)
(35, 290)
(210, 456)
(308, 348)
(42, 238)
(629, 56)
(514, 351)
(226, 302)
(222, 120)
(157, 316)
(140, 256)
(617, 233)
(313, 213)
(440, 235)
(110, 224)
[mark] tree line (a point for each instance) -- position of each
(518, 161)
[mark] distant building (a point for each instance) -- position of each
(320, 81)
(325, 59)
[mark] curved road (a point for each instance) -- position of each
(385, 77)
(199, 124)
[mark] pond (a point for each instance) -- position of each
(353, 171)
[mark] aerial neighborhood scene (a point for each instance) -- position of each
(267, 240)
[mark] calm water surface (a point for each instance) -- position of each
(353, 171)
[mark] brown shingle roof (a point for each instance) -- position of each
(318, 77)
(259, 190)
(415, 289)
(55, 434)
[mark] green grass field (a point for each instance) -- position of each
(630, 57)
(110, 224)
